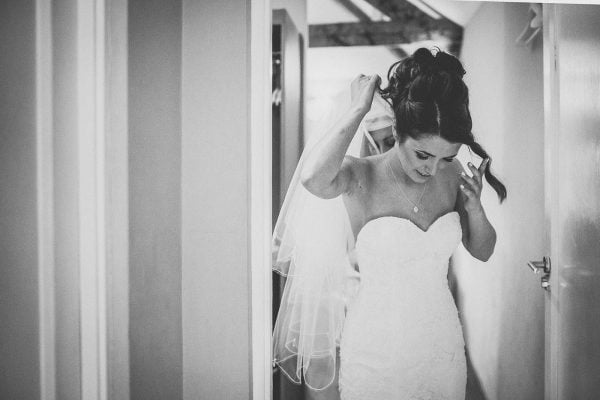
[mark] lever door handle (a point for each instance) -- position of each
(537, 266)
(543, 266)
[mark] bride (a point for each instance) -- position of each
(406, 210)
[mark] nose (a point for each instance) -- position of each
(431, 168)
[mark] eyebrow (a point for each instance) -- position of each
(433, 155)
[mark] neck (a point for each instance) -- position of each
(395, 161)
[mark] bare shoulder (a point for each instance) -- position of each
(456, 166)
(454, 181)
(452, 174)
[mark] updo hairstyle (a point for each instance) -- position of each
(429, 97)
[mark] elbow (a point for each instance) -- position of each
(483, 256)
(311, 183)
(485, 251)
(307, 179)
(316, 186)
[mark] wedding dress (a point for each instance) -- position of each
(402, 338)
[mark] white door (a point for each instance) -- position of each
(572, 125)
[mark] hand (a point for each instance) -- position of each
(471, 186)
(362, 90)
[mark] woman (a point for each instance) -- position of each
(408, 209)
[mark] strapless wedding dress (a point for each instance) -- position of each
(402, 338)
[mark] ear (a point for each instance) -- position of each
(394, 133)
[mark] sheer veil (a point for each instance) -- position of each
(312, 247)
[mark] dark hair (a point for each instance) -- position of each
(429, 96)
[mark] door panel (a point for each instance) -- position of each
(573, 204)
(287, 124)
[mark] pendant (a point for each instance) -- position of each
(416, 209)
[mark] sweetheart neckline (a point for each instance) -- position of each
(407, 220)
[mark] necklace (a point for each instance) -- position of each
(415, 205)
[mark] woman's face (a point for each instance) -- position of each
(384, 139)
(422, 158)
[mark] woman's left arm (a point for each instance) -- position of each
(479, 236)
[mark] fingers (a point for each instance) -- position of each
(376, 79)
(471, 183)
(483, 166)
(368, 78)
(476, 173)
(363, 89)
(468, 192)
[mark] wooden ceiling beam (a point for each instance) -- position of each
(399, 10)
(403, 11)
(384, 33)
(362, 16)
(354, 10)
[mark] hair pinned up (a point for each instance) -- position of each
(429, 97)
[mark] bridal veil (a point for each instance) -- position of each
(312, 247)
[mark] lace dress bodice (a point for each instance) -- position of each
(402, 338)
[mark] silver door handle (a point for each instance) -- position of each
(537, 266)
(542, 266)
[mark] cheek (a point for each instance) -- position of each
(411, 161)
(416, 163)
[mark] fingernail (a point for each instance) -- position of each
(463, 174)
(462, 187)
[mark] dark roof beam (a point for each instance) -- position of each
(363, 17)
(383, 33)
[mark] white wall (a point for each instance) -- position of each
(501, 302)
(215, 200)
(155, 199)
(19, 311)
(329, 72)
(298, 12)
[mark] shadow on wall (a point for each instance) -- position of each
(474, 389)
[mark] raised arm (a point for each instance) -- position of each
(326, 173)
(479, 236)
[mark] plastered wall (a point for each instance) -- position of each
(19, 310)
(214, 198)
(501, 302)
(155, 336)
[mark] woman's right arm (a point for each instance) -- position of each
(326, 172)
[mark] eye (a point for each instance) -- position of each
(422, 156)
(449, 159)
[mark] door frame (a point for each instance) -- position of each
(551, 187)
(260, 178)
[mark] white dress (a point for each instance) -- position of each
(402, 338)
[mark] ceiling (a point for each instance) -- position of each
(400, 26)
(332, 11)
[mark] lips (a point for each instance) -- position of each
(423, 175)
